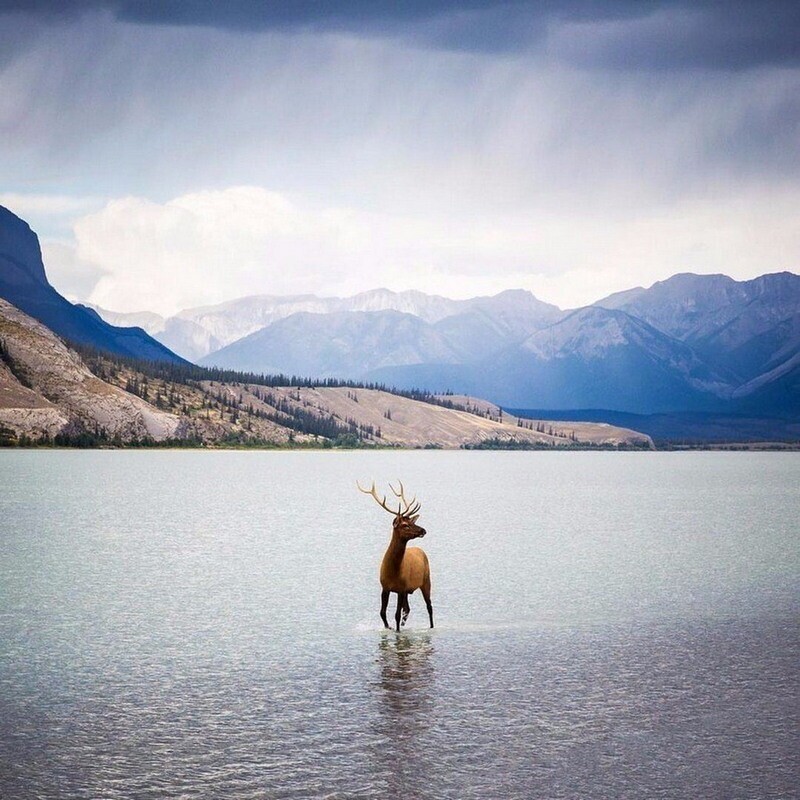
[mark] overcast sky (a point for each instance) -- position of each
(178, 154)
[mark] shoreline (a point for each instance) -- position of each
(733, 447)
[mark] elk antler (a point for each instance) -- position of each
(410, 508)
(381, 503)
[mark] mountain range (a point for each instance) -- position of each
(52, 393)
(691, 343)
(470, 327)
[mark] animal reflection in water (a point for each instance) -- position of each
(406, 670)
(403, 569)
(406, 700)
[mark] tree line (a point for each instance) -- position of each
(108, 365)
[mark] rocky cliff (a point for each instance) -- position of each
(23, 283)
(46, 389)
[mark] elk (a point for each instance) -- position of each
(403, 569)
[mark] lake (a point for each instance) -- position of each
(205, 624)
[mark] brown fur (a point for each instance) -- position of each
(404, 570)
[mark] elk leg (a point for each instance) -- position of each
(384, 603)
(402, 598)
(406, 612)
(426, 593)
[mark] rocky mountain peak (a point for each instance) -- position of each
(587, 333)
(19, 251)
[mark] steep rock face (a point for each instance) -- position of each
(190, 340)
(20, 254)
(620, 361)
(762, 333)
(24, 284)
(231, 321)
(592, 334)
(23, 409)
(430, 308)
(182, 336)
(45, 388)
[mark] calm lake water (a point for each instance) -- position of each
(189, 624)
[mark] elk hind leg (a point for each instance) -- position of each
(426, 594)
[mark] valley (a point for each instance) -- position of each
(51, 393)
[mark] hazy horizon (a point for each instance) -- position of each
(232, 300)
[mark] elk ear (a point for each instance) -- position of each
(414, 519)
(397, 520)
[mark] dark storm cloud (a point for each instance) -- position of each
(595, 145)
(611, 34)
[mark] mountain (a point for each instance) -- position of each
(48, 390)
(680, 305)
(774, 392)
(45, 389)
(618, 360)
(196, 332)
(515, 313)
(699, 343)
(747, 327)
(148, 321)
(351, 341)
(344, 344)
(689, 343)
(594, 358)
(24, 284)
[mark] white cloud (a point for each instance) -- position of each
(211, 246)
(67, 272)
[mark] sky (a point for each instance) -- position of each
(179, 154)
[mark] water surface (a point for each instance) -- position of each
(192, 624)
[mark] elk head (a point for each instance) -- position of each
(404, 525)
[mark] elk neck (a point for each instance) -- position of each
(395, 552)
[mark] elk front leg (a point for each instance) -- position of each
(384, 603)
(406, 612)
(402, 598)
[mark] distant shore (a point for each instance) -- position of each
(761, 447)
